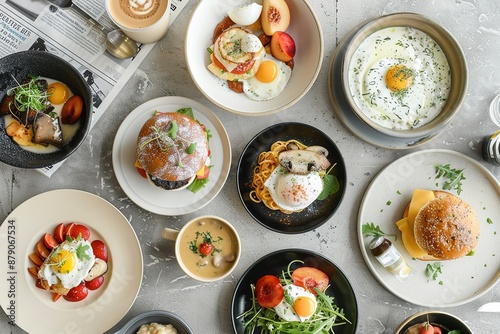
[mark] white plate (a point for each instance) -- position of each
(347, 116)
(384, 202)
(304, 29)
(33, 308)
(155, 199)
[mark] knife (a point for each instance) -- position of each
(490, 307)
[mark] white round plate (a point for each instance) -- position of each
(304, 29)
(384, 202)
(347, 116)
(32, 308)
(155, 199)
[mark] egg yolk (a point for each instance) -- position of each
(398, 78)
(58, 93)
(268, 71)
(304, 306)
(64, 261)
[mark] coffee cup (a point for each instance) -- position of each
(207, 248)
(145, 21)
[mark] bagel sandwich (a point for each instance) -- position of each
(438, 225)
(172, 151)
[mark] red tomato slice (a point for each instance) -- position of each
(59, 233)
(67, 229)
(78, 293)
(100, 250)
(203, 172)
(309, 278)
(206, 248)
(95, 283)
(142, 172)
(269, 291)
(79, 229)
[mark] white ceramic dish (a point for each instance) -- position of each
(34, 310)
(347, 116)
(462, 280)
(305, 30)
(155, 199)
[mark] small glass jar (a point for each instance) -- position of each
(491, 148)
(389, 257)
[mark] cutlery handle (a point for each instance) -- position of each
(87, 16)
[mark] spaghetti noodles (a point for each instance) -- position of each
(266, 164)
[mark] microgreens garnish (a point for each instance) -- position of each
(206, 237)
(433, 270)
(28, 96)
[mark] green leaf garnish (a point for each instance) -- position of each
(454, 176)
(433, 270)
(330, 185)
(81, 252)
(190, 149)
(187, 111)
(372, 230)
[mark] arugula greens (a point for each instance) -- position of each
(327, 316)
(370, 230)
(454, 177)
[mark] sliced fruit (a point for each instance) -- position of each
(269, 291)
(100, 250)
(55, 297)
(96, 283)
(79, 229)
(275, 16)
(35, 259)
(282, 46)
(50, 241)
(59, 233)
(72, 110)
(309, 278)
(67, 230)
(78, 293)
(41, 250)
(99, 268)
(33, 271)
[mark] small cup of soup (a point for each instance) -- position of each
(207, 248)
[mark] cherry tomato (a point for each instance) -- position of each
(206, 248)
(59, 233)
(100, 250)
(437, 330)
(142, 172)
(79, 229)
(269, 291)
(309, 278)
(427, 329)
(95, 283)
(77, 293)
(72, 110)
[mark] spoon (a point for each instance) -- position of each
(117, 43)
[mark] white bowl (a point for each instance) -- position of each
(304, 28)
(454, 55)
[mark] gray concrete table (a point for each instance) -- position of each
(205, 307)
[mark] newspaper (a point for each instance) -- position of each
(39, 25)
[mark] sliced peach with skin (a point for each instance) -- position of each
(49, 241)
(282, 46)
(33, 271)
(275, 16)
(41, 250)
(35, 259)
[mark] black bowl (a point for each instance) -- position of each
(315, 214)
(21, 65)
(447, 320)
(274, 263)
(158, 316)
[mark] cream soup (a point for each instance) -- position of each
(400, 78)
(221, 258)
(68, 130)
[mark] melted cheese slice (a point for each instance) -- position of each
(406, 225)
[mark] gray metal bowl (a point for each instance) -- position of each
(447, 320)
(451, 49)
(22, 64)
(158, 316)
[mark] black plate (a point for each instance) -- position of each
(158, 316)
(315, 214)
(21, 65)
(274, 263)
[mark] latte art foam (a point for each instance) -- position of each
(140, 9)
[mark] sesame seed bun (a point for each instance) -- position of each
(446, 227)
(165, 157)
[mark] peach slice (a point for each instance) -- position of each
(275, 16)
(282, 46)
